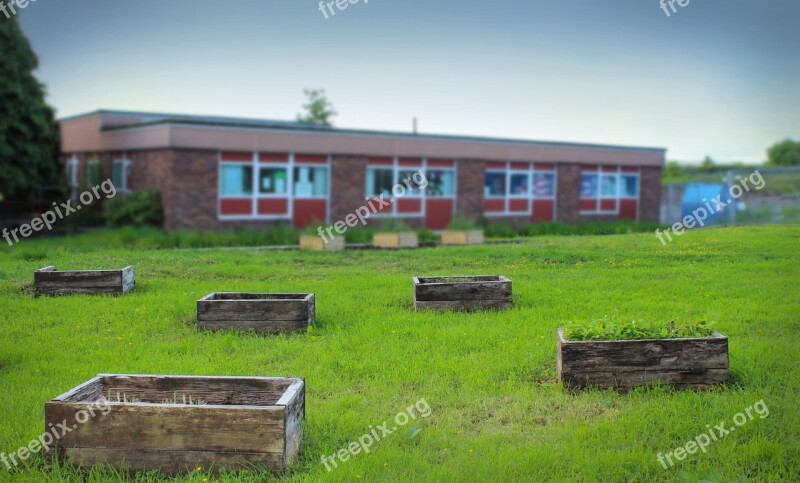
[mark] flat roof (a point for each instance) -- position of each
(147, 119)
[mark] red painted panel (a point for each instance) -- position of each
(494, 165)
(438, 213)
(380, 161)
(543, 211)
(236, 206)
(441, 163)
(518, 205)
(273, 206)
(588, 205)
(520, 166)
(377, 206)
(237, 157)
(608, 205)
(609, 169)
(273, 157)
(409, 205)
(310, 159)
(544, 167)
(493, 206)
(627, 209)
(589, 168)
(409, 162)
(309, 212)
(630, 170)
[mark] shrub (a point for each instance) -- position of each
(608, 329)
(142, 208)
(460, 223)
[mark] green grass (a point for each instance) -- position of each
(610, 329)
(497, 412)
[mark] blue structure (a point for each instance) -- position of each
(696, 196)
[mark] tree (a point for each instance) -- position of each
(707, 164)
(28, 132)
(319, 109)
(785, 153)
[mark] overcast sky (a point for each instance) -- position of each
(719, 77)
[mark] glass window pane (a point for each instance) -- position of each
(630, 186)
(495, 184)
(609, 186)
(544, 185)
(236, 180)
(310, 181)
(410, 175)
(441, 184)
(272, 181)
(379, 181)
(117, 175)
(519, 184)
(589, 186)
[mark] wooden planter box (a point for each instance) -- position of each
(266, 313)
(245, 422)
(317, 244)
(49, 281)
(622, 364)
(471, 237)
(462, 293)
(395, 240)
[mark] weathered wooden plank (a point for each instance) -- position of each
(316, 243)
(623, 364)
(259, 326)
(294, 399)
(395, 240)
(49, 281)
(463, 305)
(171, 463)
(463, 288)
(264, 313)
(470, 237)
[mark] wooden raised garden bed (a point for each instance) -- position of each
(141, 422)
(462, 293)
(395, 240)
(49, 281)
(317, 244)
(622, 364)
(266, 313)
(470, 237)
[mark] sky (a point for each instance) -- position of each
(717, 77)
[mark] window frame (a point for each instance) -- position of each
(423, 194)
(125, 162)
(71, 171)
(327, 169)
(530, 196)
(599, 197)
(452, 171)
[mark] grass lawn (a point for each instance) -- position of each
(496, 410)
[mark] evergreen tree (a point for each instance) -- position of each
(28, 132)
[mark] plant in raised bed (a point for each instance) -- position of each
(265, 313)
(462, 231)
(49, 281)
(621, 355)
(395, 234)
(462, 293)
(226, 422)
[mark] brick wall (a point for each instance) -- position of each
(567, 193)
(469, 190)
(650, 194)
(348, 184)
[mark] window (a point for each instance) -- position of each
(608, 186)
(272, 181)
(441, 184)
(310, 182)
(119, 174)
(589, 186)
(630, 186)
(380, 181)
(411, 175)
(519, 184)
(94, 172)
(544, 185)
(72, 172)
(495, 184)
(235, 180)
